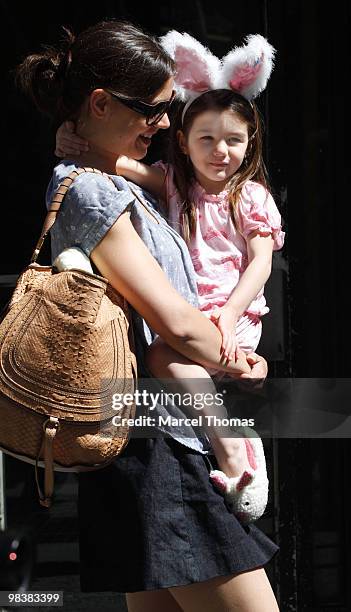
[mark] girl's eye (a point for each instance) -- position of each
(233, 140)
(206, 137)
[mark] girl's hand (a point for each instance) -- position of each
(67, 141)
(225, 319)
(259, 369)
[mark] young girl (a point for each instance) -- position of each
(214, 192)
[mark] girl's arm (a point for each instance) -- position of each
(259, 249)
(139, 278)
(148, 177)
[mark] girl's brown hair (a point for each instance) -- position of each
(111, 54)
(252, 168)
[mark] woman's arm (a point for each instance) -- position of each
(124, 260)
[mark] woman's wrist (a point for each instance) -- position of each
(240, 365)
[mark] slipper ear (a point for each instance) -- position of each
(196, 67)
(247, 69)
(219, 479)
(245, 479)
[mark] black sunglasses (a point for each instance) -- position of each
(152, 112)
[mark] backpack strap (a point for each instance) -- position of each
(50, 427)
(56, 202)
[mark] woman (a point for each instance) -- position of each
(151, 524)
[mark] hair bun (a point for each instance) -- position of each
(42, 75)
(68, 41)
(37, 76)
(64, 63)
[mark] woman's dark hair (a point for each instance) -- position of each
(252, 168)
(112, 54)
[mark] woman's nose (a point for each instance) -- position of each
(164, 122)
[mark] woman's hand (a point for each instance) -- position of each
(67, 141)
(225, 319)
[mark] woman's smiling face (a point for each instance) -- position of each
(216, 144)
(128, 131)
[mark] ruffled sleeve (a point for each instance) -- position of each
(257, 212)
(162, 165)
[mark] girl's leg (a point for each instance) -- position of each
(191, 378)
(152, 601)
(246, 592)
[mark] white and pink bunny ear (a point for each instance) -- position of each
(247, 69)
(197, 69)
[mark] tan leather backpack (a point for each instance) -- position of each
(65, 348)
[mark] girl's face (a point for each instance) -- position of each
(216, 144)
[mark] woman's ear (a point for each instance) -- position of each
(99, 103)
(182, 142)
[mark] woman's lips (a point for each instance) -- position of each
(145, 139)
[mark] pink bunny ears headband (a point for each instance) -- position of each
(245, 69)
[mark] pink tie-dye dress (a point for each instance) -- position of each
(219, 251)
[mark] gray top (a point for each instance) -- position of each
(89, 209)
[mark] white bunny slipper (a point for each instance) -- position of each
(247, 494)
(73, 257)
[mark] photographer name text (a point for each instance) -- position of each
(208, 420)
